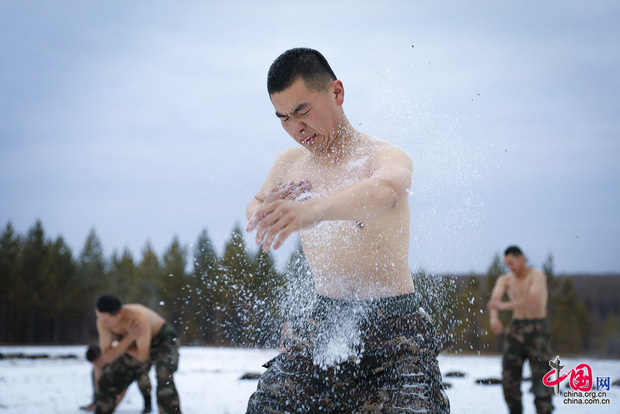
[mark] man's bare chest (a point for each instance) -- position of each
(326, 179)
(519, 288)
(119, 332)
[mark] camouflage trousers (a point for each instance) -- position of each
(526, 339)
(144, 384)
(120, 373)
(374, 356)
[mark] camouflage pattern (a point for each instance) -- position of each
(527, 339)
(144, 384)
(393, 369)
(117, 376)
(120, 373)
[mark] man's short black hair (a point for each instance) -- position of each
(513, 250)
(93, 352)
(302, 62)
(109, 304)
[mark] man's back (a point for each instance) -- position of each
(150, 319)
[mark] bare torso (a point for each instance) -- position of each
(353, 260)
(150, 319)
(521, 287)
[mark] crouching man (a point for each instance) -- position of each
(133, 337)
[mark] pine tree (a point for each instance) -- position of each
(570, 330)
(472, 303)
(9, 283)
(298, 294)
(174, 284)
(235, 276)
(30, 296)
(583, 326)
(265, 285)
(91, 278)
(61, 271)
(145, 287)
(208, 291)
(496, 269)
(121, 274)
(608, 341)
(552, 286)
(547, 268)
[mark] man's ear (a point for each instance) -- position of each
(337, 91)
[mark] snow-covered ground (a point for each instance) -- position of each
(208, 381)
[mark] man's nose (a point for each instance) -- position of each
(298, 126)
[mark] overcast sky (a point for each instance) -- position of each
(147, 120)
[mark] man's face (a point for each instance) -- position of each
(310, 117)
(107, 319)
(514, 263)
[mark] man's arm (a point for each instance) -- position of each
(269, 190)
(108, 352)
(496, 298)
(141, 332)
(365, 200)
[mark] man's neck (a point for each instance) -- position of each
(343, 140)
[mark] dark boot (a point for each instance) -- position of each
(147, 406)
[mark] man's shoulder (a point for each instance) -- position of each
(139, 309)
(386, 150)
(379, 144)
(291, 154)
(537, 273)
(505, 277)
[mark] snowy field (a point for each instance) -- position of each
(209, 382)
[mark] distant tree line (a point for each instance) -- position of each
(47, 295)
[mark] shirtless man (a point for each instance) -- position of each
(528, 334)
(346, 195)
(133, 337)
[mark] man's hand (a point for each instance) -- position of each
(279, 219)
(289, 191)
(496, 326)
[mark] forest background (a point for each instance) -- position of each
(240, 298)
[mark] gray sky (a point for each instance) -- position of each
(147, 120)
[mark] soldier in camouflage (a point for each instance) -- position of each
(527, 337)
(364, 347)
(133, 337)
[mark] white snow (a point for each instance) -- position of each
(208, 382)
